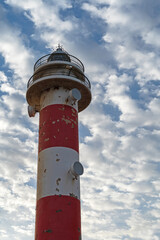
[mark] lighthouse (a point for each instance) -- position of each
(58, 90)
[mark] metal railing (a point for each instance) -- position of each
(57, 72)
(43, 60)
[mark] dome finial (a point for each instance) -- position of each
(60, 46)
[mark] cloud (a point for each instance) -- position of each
(51, 29)
(132, 44)
(3, 77)
(16, 55)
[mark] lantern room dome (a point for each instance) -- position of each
(59, 55)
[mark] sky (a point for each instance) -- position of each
(119, 44)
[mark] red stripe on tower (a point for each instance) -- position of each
(58, 127)
(60, 220)
(58, 90)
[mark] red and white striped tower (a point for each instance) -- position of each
(58, 90)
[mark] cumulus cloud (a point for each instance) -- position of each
(51, 29)
(16, 55)
(3, 77)
(129, 33)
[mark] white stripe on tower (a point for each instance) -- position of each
(58, 190)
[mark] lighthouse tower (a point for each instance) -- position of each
(58, 90)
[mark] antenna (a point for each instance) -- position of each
(60, 46)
